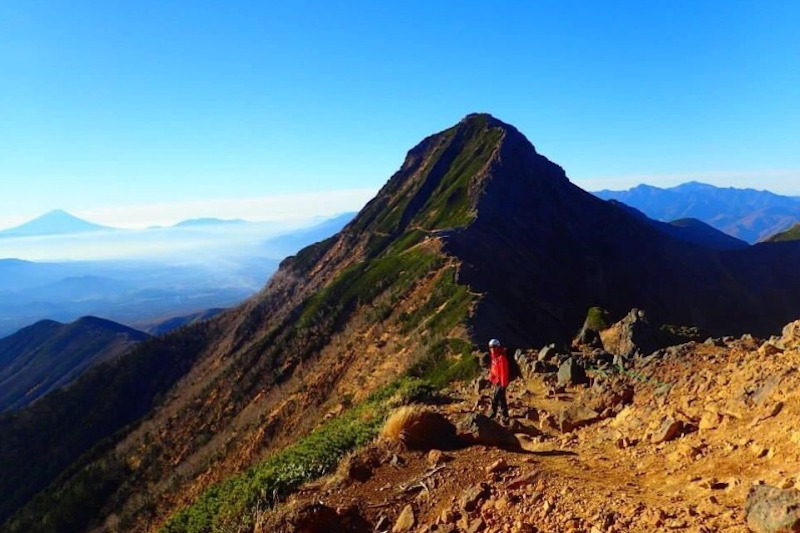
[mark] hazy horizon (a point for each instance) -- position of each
(297, 210)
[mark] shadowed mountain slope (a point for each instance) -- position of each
(698, 232)
(42, 440)
(476, 236)
(689, 230)
(48, 355)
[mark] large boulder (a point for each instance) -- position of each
(312, 518)
(670, 429)
(525, 362)
(576, 416)
(791, 336)
(571, 373)
(480, 429)
(632, 335)
(773, 510)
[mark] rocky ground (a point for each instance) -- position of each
(699, 437)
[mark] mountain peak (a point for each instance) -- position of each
(55, 222)
(453, 177)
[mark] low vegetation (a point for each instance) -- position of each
(791, 234)
(363, 282)
(231, 505)
(598, 319)
(419, 428)
(448, 360)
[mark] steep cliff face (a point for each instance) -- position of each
(476, 236)
(542, 251)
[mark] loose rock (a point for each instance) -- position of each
(406, 521)
(670, 430)
(772, 510)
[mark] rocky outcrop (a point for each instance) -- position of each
(632, 335)
(791, 336)
(530, 363)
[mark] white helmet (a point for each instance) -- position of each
(493, 343)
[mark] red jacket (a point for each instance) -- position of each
(498, 370)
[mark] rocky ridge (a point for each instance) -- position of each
(697, 437)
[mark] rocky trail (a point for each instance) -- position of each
(699, 437)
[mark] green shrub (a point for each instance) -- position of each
(447, 361)
(598, 319)
(414, 390)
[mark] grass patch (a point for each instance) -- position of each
(231, 504)
(447, 361)
(448, 304)
(450, 206)
(363, 282)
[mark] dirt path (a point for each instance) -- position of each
(739, 416)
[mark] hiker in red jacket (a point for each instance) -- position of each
(499, 376)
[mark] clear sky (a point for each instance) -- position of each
(135, 113)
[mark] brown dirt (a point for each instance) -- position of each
(739, 409)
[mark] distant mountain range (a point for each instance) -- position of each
(747, 214)
(60, 222)
(49, 355)
(128, 292)
(212, 274)
(290, 243)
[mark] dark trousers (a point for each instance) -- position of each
(499, 401)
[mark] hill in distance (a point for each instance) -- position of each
(56, 222)
(208, 221)
(690, 230)
(747, 214)
(165, 325)
(290, 243)
(476, 236)
(49, 355)
(791, 234)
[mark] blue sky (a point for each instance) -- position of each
(139, 113)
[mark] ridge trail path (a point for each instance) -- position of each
(739, 408)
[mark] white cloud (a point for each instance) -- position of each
(275, 208)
